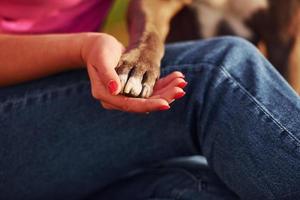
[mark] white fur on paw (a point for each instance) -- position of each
(123, 80)
(133, 86)
(146, 91)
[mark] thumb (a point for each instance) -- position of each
(107, 73)
(110, 79)
(108, 61)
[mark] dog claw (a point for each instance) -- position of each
(146, 92)
(133, 87)
(123, 80)
(137, 74)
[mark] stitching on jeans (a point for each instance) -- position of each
(245, 91)
(42, 96)
(260, 106)
(223, 69)
(183, 67)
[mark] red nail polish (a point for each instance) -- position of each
(179, 95)
(112, 86)
(164, 108)
(182, 84)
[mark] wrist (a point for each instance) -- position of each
(78, 45)
(77, 42)
(69, 46)
(88, 40)
(95, 45)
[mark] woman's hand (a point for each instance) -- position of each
(101, 54)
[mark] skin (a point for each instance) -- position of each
(29, 57)
(148, 26)
(25, 58)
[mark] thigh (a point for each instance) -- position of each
(246, 116)
(186, 178)
(57, 142)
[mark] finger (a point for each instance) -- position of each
(167, 79)
(138, 105)
(96, 84)
(107, 72)
(109, 106)
(110, 79)
(171, 94)
(127, 104)
(177, 82)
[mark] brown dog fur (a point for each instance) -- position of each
(273, 23)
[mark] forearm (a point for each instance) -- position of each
(29, 57)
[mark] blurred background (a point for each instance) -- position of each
(116, 25)
(116, 21)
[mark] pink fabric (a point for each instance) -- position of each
(52, 16)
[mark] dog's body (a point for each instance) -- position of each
(218, 17)
(273, 23)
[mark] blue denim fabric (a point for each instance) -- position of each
(56, 142)
(175, 179)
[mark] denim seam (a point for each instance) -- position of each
(260, 106)
(22, 100)
(253, 99)
(185, 67)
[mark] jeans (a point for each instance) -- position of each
(56, 142)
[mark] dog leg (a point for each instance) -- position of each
(148, 22)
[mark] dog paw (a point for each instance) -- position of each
(138, 73)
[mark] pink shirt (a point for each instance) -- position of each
(52, 16)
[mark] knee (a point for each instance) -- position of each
(229, 49)
(234, 42)
(237, 48)
(234, 54)
(219, 51)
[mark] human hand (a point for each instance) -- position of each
(101, 54)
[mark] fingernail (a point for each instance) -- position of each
(112, 86)
(165, 107)
(182, 84)
(179, 95)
